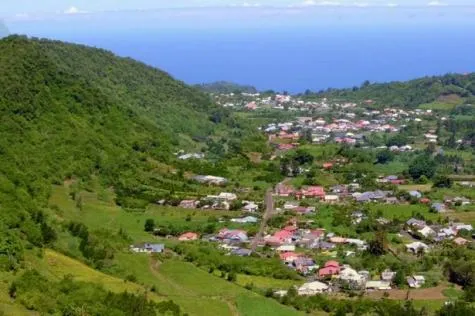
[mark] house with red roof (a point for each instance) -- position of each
(313, 192)
(284, 190)
(188, 236)
(327, 165)
(331, 268)
(284, 236)
(289, 257)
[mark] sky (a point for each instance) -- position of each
(9, 9)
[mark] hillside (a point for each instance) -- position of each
(408, 94)
(72, 112)
(226, 87)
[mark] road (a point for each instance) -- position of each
(269, 202)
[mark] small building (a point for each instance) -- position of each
(439, 207)
(378, 285)
(388, 275)
(245, 220)
(459, 241)
(147, 248)
(417, 246)
(427, 232)
(313, 288)
(189, 204)
(331, 198)
(190, 236)
(331, 268)
(285, 248)
(241, 252)
(415, 281)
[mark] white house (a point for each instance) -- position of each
(312, 288)
(378, 285)
(415, 246)
(426, 232)
(227, 196)
(416, 281)
(351, 276)
(286, 248)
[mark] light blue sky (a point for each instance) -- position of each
(22, 7)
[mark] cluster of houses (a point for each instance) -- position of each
(222, 201)
(334, 276)
(435, 233)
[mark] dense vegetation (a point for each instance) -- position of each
(226, 87)
(407, 94)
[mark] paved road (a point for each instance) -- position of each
(269, 202)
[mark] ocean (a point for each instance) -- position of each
(293, 58)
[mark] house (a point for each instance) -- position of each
(331, 268)
(241, 252)
(188, 236)
(417, 246)
(378, 285)
(388, 275)
(189, 204)
(459, 241)
(331, 198)
(147, 248)
(338, 240)
(250, 207)
(392, 200)
(360, 244)
(289, 257)
(439, 207)
(352, 277)
(232, 235)
(461, 226)
(415, 194)
(290, 205)
(227, 196)
(313, 192)
(285, 248)
(416, 223)
(313, 288)
(245, 220)
(284, 236)
(327, 165)
(415, 281)
(302, 210)
(284, 190)
(427, 232)
(326, 245)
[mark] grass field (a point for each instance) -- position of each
(415, 187)
(196, 291)
(403, 211)
(441, 106)
(265, 283)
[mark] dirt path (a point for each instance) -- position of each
(269, 201)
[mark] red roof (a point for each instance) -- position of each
(328, 271)
(286, 255)
(314, 191)
(283, 234)
(332, 263)
(328, 165)
(290, 228)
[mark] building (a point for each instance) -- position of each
(378, 285)
(147, 248)
(188, 236)
(417, 246)
(313, 288)
(331, 268)
(415, 281)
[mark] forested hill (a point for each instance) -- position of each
(410, 93)
(226, 87)
(72, 111)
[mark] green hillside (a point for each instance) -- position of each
(226, 87)
(448, 89)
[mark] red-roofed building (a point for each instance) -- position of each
(331, 268)
(289, 257)
(291, 228)
(188, 236)
(424, 201)
(284, 190)
(284, 236)
(327, 165)
(314, 192)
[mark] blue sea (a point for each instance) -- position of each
(291, 57)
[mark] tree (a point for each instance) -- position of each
(149, 225)
(400, 277)
(422, 165)
(379, 245)
(384, 157)
(442, 181)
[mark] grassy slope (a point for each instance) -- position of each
(198, 292)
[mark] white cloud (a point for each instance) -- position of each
(311, 3)
(437, 3)
(361, 4)
(392, 5)
(74, 10)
